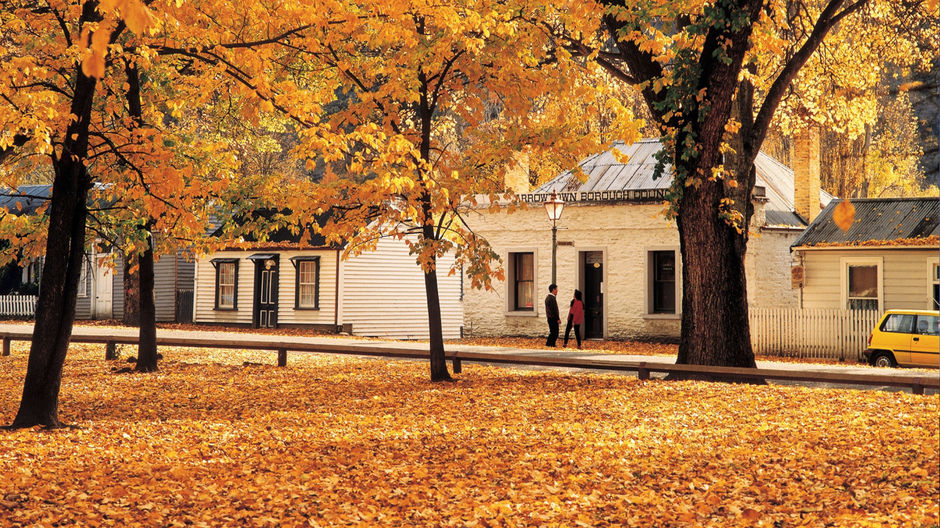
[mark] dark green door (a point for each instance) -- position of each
(593, 266)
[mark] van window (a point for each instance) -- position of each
(928, 324)
(900, 323)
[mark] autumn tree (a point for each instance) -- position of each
(713, 75)
(438, 101)
(69, 99)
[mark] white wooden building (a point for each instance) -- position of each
(615, 245)
(101, 285)
(887, 260)
(376, 294)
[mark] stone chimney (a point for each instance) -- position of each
(517, 174)
(806, 173)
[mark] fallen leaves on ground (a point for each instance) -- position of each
(329, 441)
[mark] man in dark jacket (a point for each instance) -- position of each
(551, 311)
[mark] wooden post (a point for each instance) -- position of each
(457, 367)
(643, 373)
(6, 346)
(110, 351)
(282, 357)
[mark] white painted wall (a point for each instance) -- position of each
(625, 233)
(204, 301)
(383, 294)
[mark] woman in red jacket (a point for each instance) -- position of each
(575, 318)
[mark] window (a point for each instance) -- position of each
(863, 287)
(226, 284)
(664, 282)
(307, 283)
(523, 281)
(898, 323)
(862, 283)
(928, 325)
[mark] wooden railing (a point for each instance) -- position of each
(811, 333)
(917, 382)
(18, 305)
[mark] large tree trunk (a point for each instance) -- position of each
(147, 340)
(65, 248)
(131, 315)
(715, 327)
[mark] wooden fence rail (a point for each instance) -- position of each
(915, 381)
(811, 333)
(18, 305)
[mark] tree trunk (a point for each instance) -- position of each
(65, 249)
(131, 315)
(715, 328)
(438, 360)
(435, 330)
(147, 341)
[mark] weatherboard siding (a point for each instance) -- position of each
(905, 275)
(204, 301)
(384, 294)
(170, 274)
(287, 287)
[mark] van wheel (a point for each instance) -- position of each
(883, 359)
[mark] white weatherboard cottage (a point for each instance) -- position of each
(281, 284)
(615, 245)
(101, 286)
(887, 260)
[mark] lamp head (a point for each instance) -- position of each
(554, 207)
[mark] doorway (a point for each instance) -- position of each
(592, 266)
(104, 288)
(264, 312)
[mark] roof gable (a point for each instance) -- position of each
(605, 173)
(876, 220)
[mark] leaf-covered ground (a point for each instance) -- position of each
(333, 441)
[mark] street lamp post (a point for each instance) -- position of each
(553, 207)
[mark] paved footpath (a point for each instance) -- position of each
(113, 331)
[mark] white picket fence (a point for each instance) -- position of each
(817, 333)
(18, 305)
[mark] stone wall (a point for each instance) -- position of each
(625, 234)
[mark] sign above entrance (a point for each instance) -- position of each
(630, 195)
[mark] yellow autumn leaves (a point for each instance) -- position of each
(336, 441)
(134, 13)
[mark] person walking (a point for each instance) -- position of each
(551, 312)
(575, 318)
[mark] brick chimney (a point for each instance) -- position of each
(806, 173)
(516, 178)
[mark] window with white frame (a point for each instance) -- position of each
(307, 283)
(862, 283)
(522, 281)
(226, 284)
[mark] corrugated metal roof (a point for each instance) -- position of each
(29, 196)
(605, 173)
(876, 219)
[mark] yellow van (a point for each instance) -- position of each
(909, 338)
